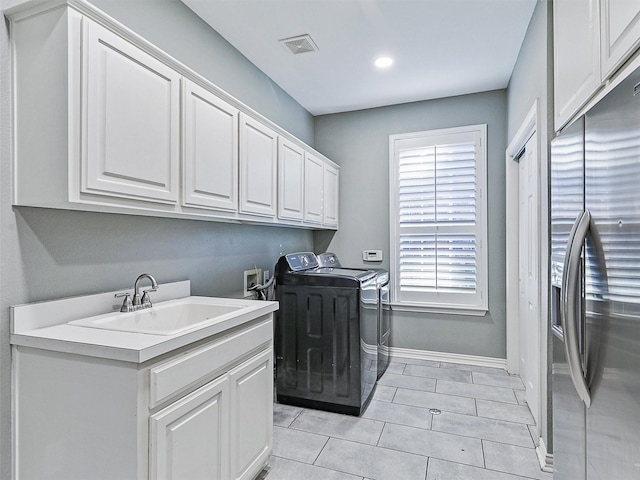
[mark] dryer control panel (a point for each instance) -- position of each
(302, 261)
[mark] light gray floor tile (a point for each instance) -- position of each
(443, 470)
(384, 393)
(297, 444)
(369, 461)
(417, 361)
(484, 428)
(284, 415)
(438, 373)
(407, 381)
(283, 469)
(358, 429)
(395, 367)
(446, 403)
(509, 381)
(504, 411)
(433, 444)
(400, 414)
(475, 368)
(472, 390)
(515, 460)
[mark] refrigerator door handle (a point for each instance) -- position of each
(568, 313)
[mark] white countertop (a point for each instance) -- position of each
(45, 325)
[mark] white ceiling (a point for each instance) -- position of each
(441, 48)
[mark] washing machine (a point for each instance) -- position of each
(330, 260)
(325, 335)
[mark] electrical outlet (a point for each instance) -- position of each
(251, 278)
(265, 277)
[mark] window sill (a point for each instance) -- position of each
(443, 309)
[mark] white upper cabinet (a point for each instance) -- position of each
(313, 189)
(258, 167)
(576, 34)
(106, 122)
(131, 113)
(210, 129)
(290, 180)
(620, 21)
(331, 195)
(592, 40)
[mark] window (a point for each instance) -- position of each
(438, 220)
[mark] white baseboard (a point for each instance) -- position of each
(545, 458)
(448, 357)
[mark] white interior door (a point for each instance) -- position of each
(528, 267)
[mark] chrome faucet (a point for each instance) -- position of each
(138, 303)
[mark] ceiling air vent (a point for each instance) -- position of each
(300, 44)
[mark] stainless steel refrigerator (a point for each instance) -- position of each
(595, 269)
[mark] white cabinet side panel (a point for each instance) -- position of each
(73, 419)
(331, 195)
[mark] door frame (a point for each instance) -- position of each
(532, 123)
(527, 128)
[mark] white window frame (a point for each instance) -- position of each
(452, 303)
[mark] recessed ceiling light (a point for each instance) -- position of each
(384, 62)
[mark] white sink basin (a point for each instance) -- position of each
(168, 318)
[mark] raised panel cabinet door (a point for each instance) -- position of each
(251, 387)
(190, 438)
(331, 195)
(313, 189)
(620, 37)
(576, 39)
(290, 180)
(258, 167)
(131, 120)
(210, 139)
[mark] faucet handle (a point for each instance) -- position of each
(127, 305)
(146, 300)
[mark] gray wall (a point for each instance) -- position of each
(532, 78)
(46, 254)
(359, 143)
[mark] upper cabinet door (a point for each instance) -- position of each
(576, 35)
(290, 180)
(331, 195)
(620, 20)
(131, 118)
(313, 189)
(258, 167)
(210, 129)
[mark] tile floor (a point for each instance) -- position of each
(482, 433)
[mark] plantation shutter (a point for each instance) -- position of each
(438, 221)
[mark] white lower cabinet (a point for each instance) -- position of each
(251, 394)
(201, 412)
(190, 438)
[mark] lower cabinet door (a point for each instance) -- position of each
(251, 395)
(189, 438)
